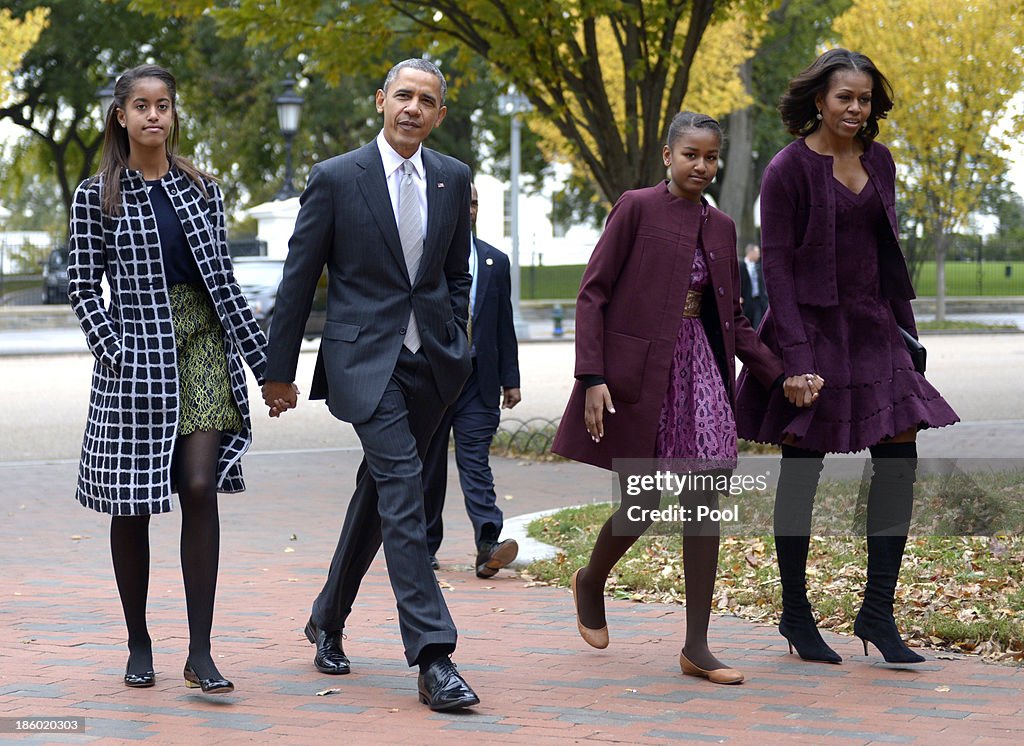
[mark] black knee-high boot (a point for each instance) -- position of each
(794, 502)
(890, 504)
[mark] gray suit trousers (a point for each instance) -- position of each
(387, 507)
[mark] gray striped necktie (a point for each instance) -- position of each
(410, 231)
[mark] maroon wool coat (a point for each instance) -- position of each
(628, 313)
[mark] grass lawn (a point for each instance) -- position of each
(964, 593)
(15, 285)
(937, 326)
(971, 278)
(962, 278)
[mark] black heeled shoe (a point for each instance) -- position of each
(139, 680)
(894, 650)
(209, 686)
(802, 633)
(875, 622)
(885, 636)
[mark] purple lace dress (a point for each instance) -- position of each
(696, 424)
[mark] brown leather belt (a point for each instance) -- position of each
(692, 308)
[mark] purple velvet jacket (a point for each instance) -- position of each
(798, 243)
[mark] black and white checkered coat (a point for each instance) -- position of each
(133, 406)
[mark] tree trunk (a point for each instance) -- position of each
(736, 196)
(941, 244)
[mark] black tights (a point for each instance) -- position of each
(890, 501)
(194, 472)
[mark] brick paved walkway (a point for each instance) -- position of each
(62, 646)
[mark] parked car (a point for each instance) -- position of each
(55, 277)
(259, 277)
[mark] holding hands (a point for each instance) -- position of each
(280, 396)
(803, 390)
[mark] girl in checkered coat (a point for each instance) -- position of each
(168, 411)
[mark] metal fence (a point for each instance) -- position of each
(529, 439)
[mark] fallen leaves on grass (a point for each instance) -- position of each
(960, 594)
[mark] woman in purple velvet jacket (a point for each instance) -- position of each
(840, 292)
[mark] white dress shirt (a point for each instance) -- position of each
(755, 286)
(473, 259)
(392, 173)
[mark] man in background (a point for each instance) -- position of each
(755, 299)
(474, 417)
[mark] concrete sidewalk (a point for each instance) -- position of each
(62, 639)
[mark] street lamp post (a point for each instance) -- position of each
(289, 107)
(106, 95)
(513, 104)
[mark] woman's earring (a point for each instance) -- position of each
(818, 116)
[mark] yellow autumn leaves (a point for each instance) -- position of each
(17, 35)
(955, 67)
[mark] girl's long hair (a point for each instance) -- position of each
(117, 148)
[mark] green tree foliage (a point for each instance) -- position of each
(550, 50)
(228, 92)
(226, 102)
(53, 96)
(1008, 241)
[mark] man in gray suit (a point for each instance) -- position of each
(390, 221)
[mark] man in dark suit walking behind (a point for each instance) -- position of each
(390, 221)
(752, 292)
(474, 417)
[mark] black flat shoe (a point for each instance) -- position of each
(330, 658)
(209, 686)
(139, 680)
(442, 687)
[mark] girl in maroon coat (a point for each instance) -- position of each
(658, 325)
(840, 292)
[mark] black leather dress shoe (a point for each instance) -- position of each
(208, 686)
(443, 688)
(139, 680)
(329, 658)
(491, 557)
(434, 564)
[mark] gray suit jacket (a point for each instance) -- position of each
(346, 222)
